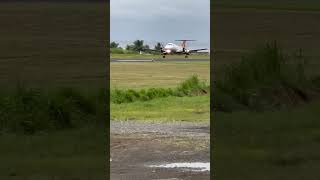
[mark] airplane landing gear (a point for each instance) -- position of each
(163, 56)
(186, 56)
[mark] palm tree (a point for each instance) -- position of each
(158, 47)
(138, 45)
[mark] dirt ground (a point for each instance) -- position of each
(134, 146)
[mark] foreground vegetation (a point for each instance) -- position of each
(30, 111)
(47, 134)
(192, 109)
(77, 153)
(190, 101)
(267, 145)
(138, 88)
(190, 87)
(273, 130)
(267, 79)
(53, 134)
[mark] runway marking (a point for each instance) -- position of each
(133, 60)
(159, 60)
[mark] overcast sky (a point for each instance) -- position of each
(160, 21)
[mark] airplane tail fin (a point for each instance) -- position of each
(184, 42)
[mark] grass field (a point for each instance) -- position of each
(71, 154)
(271, 145)
(277, 144)
(194, 109)
(156, 74)
(138, 56)
(50, 45)
(275, 132)
(160, 75)
(53, 44)
(237, 31)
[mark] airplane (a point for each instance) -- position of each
(172, 48)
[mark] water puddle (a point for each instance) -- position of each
(193, 166)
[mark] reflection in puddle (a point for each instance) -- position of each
(195, 166)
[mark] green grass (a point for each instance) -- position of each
(267, 145)
(50, 44)
(192, 86)
(265, 79)
(142, 56)
(30, 111)
(70, 154)
(193, 109)
(57, 134)
(189, 101)
(271, 127)
(156, 74)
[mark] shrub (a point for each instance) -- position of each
(117, 51)
(30, 111)
(267, 78)
(191, 87)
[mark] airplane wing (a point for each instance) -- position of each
(196, 50)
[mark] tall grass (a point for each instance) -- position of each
(30, 110)
(190, 87)
(268, 78)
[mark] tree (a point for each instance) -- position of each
(114, 45)
(158, 46)
(138, 45)
(129, 47)
(146, 47)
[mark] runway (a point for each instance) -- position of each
(160, 60)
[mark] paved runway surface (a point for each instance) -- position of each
(140, 150)
(160, 60)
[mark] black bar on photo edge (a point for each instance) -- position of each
(108, 90)
(212, 137)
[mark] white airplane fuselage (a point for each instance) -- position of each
(172, 48)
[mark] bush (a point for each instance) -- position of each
(191, 87)
(30, 111)
(117, 51)
(267, 78)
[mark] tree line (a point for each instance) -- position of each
(137, 46)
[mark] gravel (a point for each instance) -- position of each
(181, 129)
